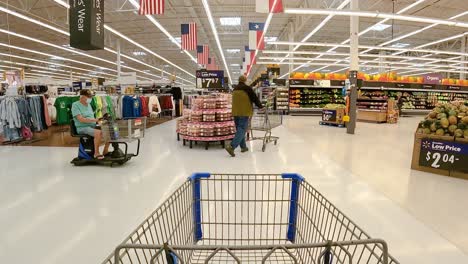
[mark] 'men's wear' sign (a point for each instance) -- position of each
(87, 24)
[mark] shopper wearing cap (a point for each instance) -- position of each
(243, 97)
(85, 122)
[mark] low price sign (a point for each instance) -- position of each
(328, 115)
(444, 155)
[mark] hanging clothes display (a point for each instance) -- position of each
(131, 107)
(10, 119)
(144, 106)
(63, 107)
(153, 105)
(51, 109)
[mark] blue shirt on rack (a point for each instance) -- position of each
(131, 107)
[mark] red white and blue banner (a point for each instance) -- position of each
(256, 36)
(247, 55)
(269, 6)
(189, 36)
(212, 65)
(203, 54)
(151, 7)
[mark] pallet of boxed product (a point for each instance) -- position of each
(332, 115)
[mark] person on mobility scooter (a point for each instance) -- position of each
(92, 132)
(86, 124)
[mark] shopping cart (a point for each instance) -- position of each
(225, 218)
(265, 120)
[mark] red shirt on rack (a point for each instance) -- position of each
(144, 106)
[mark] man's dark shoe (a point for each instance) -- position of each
(244, 149)
(230, 150)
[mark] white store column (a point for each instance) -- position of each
(291, 39)
(463, 50)
(118, 59)
(382, 61)
(354, 67)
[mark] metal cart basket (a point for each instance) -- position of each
(220, 218)
(265, 121)
(124, 131)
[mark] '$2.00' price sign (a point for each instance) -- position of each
(444, 155)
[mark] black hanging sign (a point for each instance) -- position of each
(87, 24)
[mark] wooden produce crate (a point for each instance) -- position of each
(375, 116)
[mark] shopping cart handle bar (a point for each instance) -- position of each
(199, 175)
(293, 176)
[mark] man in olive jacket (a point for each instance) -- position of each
(243, 97)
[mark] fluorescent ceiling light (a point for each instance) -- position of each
(235, 65)
(379, 27)
(56, 58)
(271, 39)
(139, 53)
(428, 20)
(400, 45)
(230, 21)
(233, 51)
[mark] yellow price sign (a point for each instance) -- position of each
(346, 118)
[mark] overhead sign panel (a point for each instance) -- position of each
(87, 24)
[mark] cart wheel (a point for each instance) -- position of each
(178, 137)
(276, 142)
(191, 143)
(263, 148)
(183, 141)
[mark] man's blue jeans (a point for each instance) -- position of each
(242, 123)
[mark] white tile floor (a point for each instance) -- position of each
(52, 212)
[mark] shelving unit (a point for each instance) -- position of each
(310, 99)
(282, 99)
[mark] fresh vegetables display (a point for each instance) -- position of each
(449, 119)
(314, 97)
(335, 106)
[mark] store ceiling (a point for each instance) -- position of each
(122, 16)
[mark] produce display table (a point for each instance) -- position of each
(441, 141)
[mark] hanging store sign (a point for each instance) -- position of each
(322, 83)
(87, 24)
(432, 78)
(301, 82)
(444, 155)
(210, 79)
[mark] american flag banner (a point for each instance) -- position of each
(203, 54)
(151, 7)
(212, 65)
(189, 36)
(269, 6)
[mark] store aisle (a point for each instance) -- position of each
(52, 212)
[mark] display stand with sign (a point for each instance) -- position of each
(210, 79)
(209, 121)
(333, 117)
(442, 155)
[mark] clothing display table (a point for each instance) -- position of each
(210, 120)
